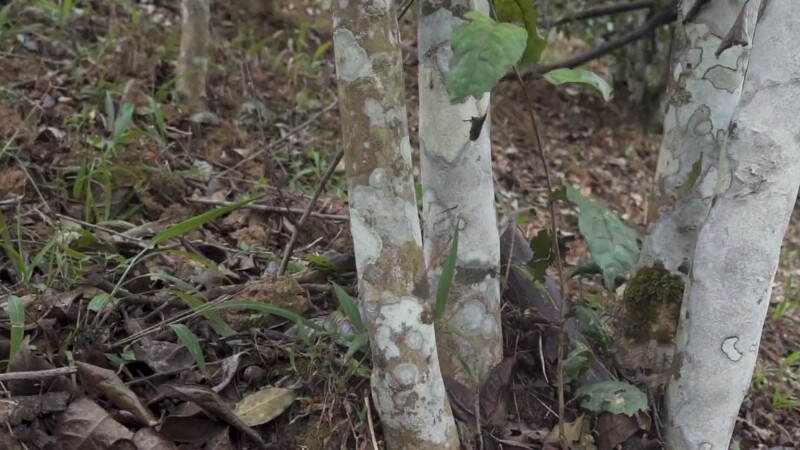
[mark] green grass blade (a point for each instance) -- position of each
(216, 322)
(191, 342)
(196, 221)
(349, 308)
(16, 313)
(446, 279)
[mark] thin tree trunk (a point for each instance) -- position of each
(703, 92)
(458, 190)
(407, 385)
(738, 246)
(193, 57)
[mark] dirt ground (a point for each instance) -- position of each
(84, 193)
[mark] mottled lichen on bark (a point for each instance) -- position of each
(407, 385)
(738, 247)
(193, 57)
(458, 191)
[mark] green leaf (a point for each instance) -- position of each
(320, 261)
(580, 76)
(543, 254)
(16, 313)
(191, 342)
(590, 324)
(358, 341)
(446, 279)
(615, 397)
(613, 244)
(97, 302)
(526, 14)
(199, 306)
(194, 222)
(349, 308)
(578, 361)
(483, 50)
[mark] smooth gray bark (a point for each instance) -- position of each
(458, 191)
(193, 56)
(739, 243)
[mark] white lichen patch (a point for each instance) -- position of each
(366, 243)
(377, 178)
(405, 374)
(352, 61)
(473, 320)
(730, 350)
(387, 214)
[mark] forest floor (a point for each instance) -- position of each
(108, 243)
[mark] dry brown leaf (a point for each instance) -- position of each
(262, 406)
(109, 384)
(149, 439)
(87, 426)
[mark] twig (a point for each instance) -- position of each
(371, 426)
(283, 138)
(601, 10)
(559, 263)
(665, 16)
(37, 374)
(270, 208)
(287, 253)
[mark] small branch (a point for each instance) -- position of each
(37, 374)
(272, 209)
(668, 15)
(599, 11)
(287, 253)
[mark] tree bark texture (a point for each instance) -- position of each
(739, 243)
(458, 191)
(193, 56)
(704, 88)
(407, 385)
(703, 92)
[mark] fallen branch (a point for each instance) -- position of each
(270, 208)
(668, 15)
(599, 11)
(37, 374)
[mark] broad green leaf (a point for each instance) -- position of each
(349, 308)
(580, 76)
(191, 342)
(483, 50)
(194, 222)
(526, 14)
(446, 279)
(199, 306)
(578, 361)
(16, 313)
(615, 397)
(612, 243)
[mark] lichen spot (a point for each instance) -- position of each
(405, 375)
(414, 340)
(730, 350)
(377, 178)
(374, 110)
(352, 61)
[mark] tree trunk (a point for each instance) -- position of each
(739, 243)
(193, 57)
(703, 92)
(407, 385)
(458, 190)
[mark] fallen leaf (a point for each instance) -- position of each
(495, 388)
(15, 410)
(262, 406)
(614, 429)
(109, 384)
(87, 426)
(217, 406)
(149, 439)
(572, 432)
(164, 356)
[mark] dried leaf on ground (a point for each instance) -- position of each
(614, 429)
(110, 385)
(87, 426)
(15, 410)
(496, 388)
(262, 406)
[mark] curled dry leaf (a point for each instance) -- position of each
(149, 439)
(87, 426)
(217, 406)
(109, 384)
(262, 406)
